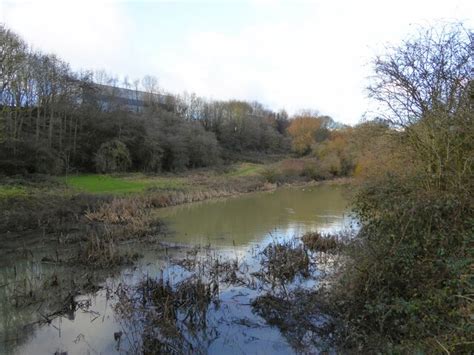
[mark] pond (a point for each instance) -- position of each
(236, 228)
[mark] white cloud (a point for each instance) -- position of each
(84, 33)
(314, 56)
(281, 64)
(321, 61)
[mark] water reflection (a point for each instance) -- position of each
(249, 219)
(233, 226)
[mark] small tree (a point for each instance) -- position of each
(304, 130)
(112, 156)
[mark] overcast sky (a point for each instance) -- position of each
(285, 54)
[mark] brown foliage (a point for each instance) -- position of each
(303, 131)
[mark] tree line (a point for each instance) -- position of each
(54, 119)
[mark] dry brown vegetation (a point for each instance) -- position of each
(102, 251)
(177, 316)
(406, 287)
(316, 241)
(282, 262)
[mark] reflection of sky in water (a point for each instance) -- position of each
(233, 226)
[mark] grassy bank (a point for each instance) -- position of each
(121, 184)
(107, 184)
(287, 171)
(61, 205)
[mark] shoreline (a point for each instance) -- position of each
(69, 220)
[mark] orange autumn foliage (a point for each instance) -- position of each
(302, 130)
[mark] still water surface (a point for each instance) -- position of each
(253, 218)
(237, 226)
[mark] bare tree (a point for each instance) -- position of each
(150, 84)
(429, 72)
(423, 85)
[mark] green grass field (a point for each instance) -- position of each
(107, 184)
(11, 191)
(135, 183)
(122, 184)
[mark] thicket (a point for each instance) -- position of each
(409, 285)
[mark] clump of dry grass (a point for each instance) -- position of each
(227, 271)
(120, 211)
(219, 270)
(207, 190)
(166, 318)
(282, 262)
(295, 316)
(126, 218)
(102, 251)
(292, 166)
(318, 242)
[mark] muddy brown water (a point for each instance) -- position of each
(235, 228)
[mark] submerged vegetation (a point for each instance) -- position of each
(167, 318)
(282, 262)
(187, 314)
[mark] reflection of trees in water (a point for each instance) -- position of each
(18, 284)
(34, 294)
